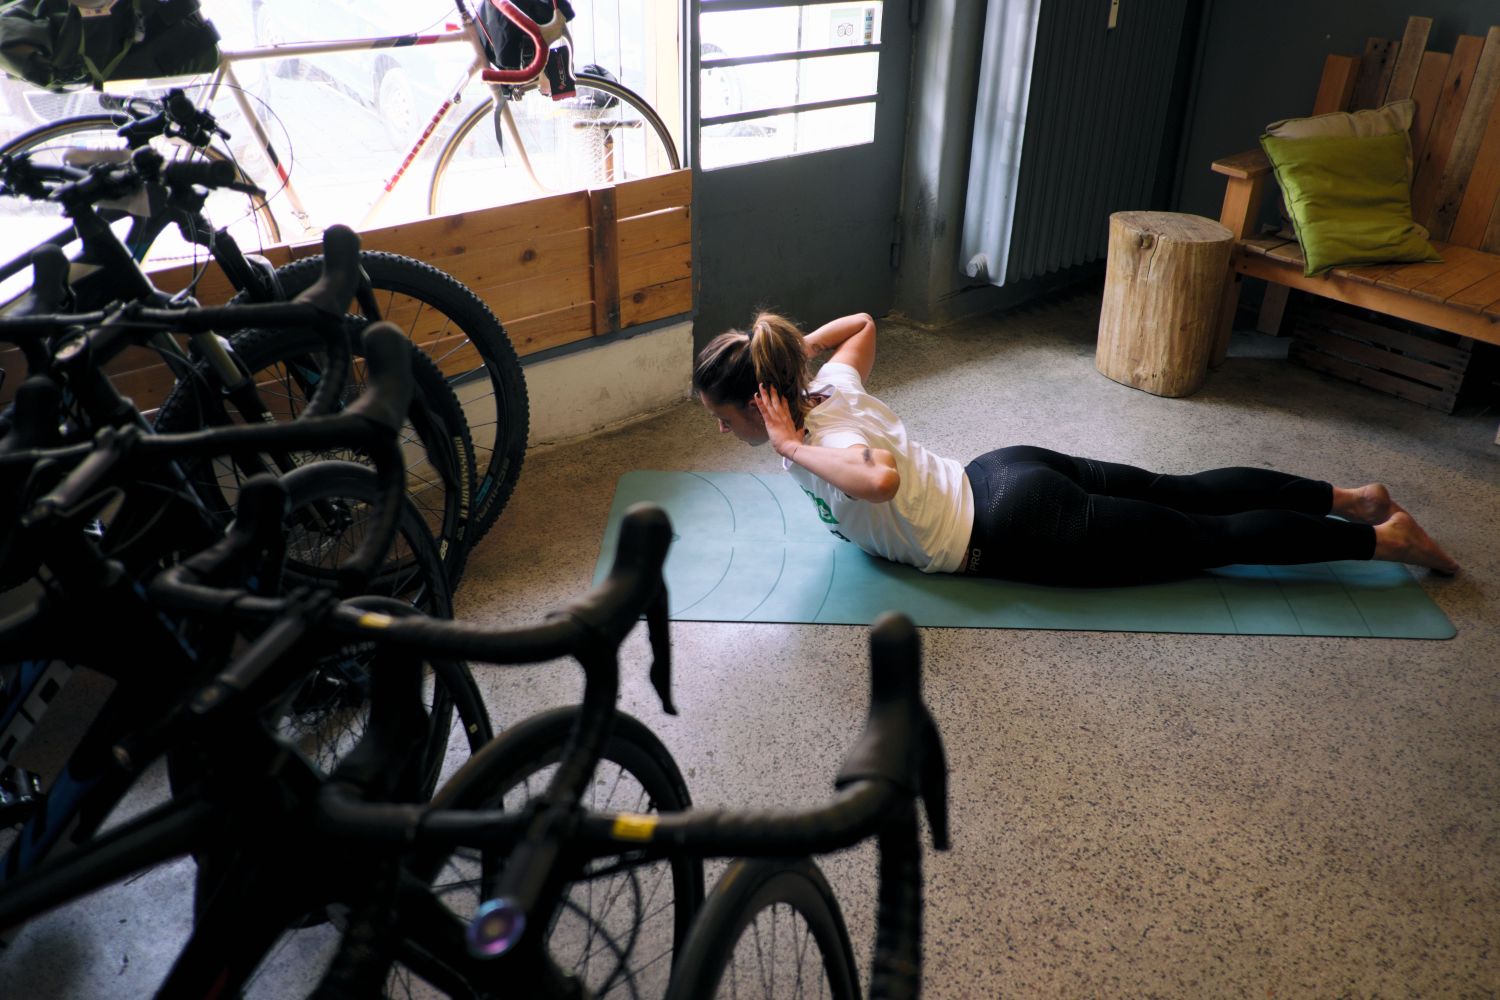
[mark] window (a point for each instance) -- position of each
(780, 80)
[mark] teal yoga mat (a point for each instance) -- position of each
(749, 547)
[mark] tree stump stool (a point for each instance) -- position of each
(1164, 281)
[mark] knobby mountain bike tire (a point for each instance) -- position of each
(248, 217)
(285, 365)
(465, 340)
(605, 134)
(770, 928)
(622, 921)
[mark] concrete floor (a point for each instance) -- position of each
(1133, 814)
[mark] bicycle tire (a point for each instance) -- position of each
(557, 164)
(507, 770)
(327, 716)
(498, 419)
(434, 438)
(709, 965)
(415, 577)
(224, 208)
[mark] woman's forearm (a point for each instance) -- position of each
(862, 472)
(833, 333)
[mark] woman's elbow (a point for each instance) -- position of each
(885, 485)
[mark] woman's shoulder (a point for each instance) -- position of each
(838, 375)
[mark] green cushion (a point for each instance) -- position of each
(1350, 199)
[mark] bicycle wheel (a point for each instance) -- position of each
(463, 337)
(622, 919)
(284, 365)
(26, 223)
(604, 134)
(769, 928)
(327, 713)
(330, 506)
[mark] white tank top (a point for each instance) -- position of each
(928, 522)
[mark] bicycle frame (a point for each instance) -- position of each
(468, 32)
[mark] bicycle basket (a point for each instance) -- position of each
(69, 43)
(506, 45)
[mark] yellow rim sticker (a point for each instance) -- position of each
(372, 619)
(633, 826)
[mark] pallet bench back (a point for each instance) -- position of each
(1456, 132)
(1455, 139)
(1455, 188)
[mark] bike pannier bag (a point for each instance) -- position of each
(59, 44)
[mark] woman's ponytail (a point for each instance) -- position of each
(780, 360)
(735, 364)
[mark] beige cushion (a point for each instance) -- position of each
(1394, 117)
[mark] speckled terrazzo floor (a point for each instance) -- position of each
(1133, 814)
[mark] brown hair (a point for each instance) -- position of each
(734, 365)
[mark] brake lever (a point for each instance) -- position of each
(661, 649)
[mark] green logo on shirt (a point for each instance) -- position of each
(825, 513)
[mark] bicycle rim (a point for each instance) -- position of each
(621, 920)
(770, 929)
(26, 223)
(603, 135)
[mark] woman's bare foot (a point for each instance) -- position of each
(1401, 539)
(1369, 504)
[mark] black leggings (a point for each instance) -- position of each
(1051, 518)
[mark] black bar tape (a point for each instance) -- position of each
(896, 969)
(208, 173)
(854, 814)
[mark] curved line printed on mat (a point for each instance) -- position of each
(779, 509)
(732, 522)
(833, 573)
(705, 595)
(779, 574)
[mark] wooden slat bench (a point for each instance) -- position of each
(1455, 190)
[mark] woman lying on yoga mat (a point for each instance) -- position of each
(1020, 513)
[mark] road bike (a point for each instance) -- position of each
(543, 127)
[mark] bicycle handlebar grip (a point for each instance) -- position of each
(336, 286)
(258, 517)
(49, 290)
(110, 449)
(888, 747)
(388, 376)
(34, 421)
(613, 607)
(208, 173)
(385, 402)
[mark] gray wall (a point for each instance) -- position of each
(1262, 60)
